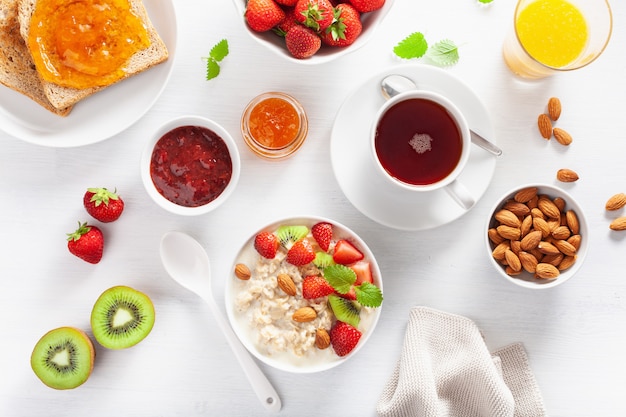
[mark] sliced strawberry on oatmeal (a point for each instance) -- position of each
(345, 253)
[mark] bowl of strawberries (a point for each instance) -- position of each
(304, 294)
(312, 31)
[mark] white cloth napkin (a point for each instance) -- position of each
(446, 370)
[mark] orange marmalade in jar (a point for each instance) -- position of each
(84, 43)
(274, 125)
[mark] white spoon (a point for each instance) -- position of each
(186, 261)
(395, 84)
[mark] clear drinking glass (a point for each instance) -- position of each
(549, 36)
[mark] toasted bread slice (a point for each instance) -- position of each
(17, 70)
(60, 96)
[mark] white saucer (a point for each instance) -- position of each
(372, 194)
(102, 115)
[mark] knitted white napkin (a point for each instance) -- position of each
(445, 370)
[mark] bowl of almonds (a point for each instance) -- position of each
(305, 294)
(537, 236)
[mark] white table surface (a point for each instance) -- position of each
(574, 334)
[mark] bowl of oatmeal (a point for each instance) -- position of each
(304, 294)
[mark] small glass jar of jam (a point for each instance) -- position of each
(274, 125)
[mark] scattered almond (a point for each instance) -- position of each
(554, 108)
(616, 202)
(618, 224)
(304, 314)
(545, 126)
(322, 339)
(286, 284)
(562, 136)
(566, 175)
(242, 272)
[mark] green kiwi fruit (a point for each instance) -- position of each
(345, 310)
(122, 317)
(323, 260)
(288, 235)
(63, 358)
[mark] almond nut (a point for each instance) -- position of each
(554, 108)
(566, 175)
(574, 240)
(546, 271)
(618, 224)
(304, 314)
(286, 284)
(545, 126)
(561, 233)
(553, 259)
(565, 247)
(572, 222)
(322, 339)
(531, 240)
(525, 195)
(507, 218)
(616, 202)
(547, 248)
(512, 260)
(566, 263)
(508, 232)
(562, 136)
(517, 208)
(542, 225)
(242, 272)
(494, 236)
(548, 208)
(500, 249)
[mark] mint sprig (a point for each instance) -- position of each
(216, 55)
(443, 53)
(342, 279)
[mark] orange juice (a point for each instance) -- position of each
(554, 32)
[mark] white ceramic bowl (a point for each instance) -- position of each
(146, 169)
(319, 360)
(527, 279)
(276, 44)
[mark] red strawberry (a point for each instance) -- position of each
(288, 3)
(302, 42)
(266, 243)
(103, 205)
(287, 23)
(301, 253)
(345, 253)
(262, 15)
(315, 286)
(86, 242)
(365, 6)
(323, 234)
(345, 28)
(316, 14)
(363, 271)
(344, 338)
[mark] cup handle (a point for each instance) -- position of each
(460, 194)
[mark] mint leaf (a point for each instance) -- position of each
(212, 69)
(485, 1)
(369, 295)
(340, 277)
(219, 51)
(413, 46)
(444, 53)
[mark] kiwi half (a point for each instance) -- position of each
(288, 234)
(122, 317)
(63, 358)
(345, 310)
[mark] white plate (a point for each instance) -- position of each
(371, 194)
(102, 115)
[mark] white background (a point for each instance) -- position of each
(574, 334)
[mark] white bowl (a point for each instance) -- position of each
(318, 360)
(276, 44)
(147, 156)
(527, 279)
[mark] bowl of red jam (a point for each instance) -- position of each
(190, 165)
(274, 125)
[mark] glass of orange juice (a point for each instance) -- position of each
(550, 36)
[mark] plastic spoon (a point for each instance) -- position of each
(186, 261)
(395, 84)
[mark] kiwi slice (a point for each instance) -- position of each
(345, 310)
(288, 235)
(63, 358)
(323, 260)
(122, 317)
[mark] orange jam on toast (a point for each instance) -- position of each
(84, 43)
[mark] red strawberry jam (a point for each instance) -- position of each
(191, 166)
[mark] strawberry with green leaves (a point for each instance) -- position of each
(263, 15)
(345, 28)
(315, 14)
(302, 42)
(87, 243)
(364, 6)
(103, 205)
